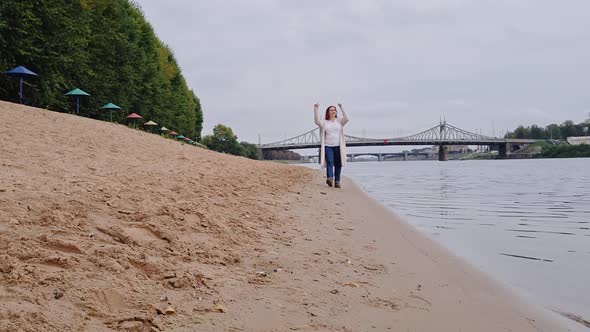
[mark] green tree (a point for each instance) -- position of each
(522, 132)
(250, 150)
(281, 155)
(537, 132)
(223, 140)
(105, 47)
(568, 128)
(198, 118)
(553, 131)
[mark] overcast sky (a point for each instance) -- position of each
(397, 66)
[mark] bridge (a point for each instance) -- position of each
(442, 135)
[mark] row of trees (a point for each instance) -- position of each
(552, 131)
(224, 140)
(281, 155)
(105, 47)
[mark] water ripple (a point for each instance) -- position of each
(526, 209)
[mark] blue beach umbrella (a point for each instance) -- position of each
(77, 93)
(20, 72)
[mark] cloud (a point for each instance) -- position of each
(259, 65)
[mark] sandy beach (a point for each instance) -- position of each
(107, 228)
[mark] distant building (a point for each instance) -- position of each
(453, 148)
(577, 140)
(423, 150)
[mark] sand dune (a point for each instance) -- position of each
(100, 221)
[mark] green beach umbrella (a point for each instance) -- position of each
(110, 107)
(77, 93)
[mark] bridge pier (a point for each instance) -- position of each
(443, 153)
(503, 150)
(380, 157)
(405, 155)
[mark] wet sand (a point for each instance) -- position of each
(108, 228)
(351, 265)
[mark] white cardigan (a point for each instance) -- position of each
(320, 123)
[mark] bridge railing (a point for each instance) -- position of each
(439, 134)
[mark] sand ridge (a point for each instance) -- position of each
(104, 226)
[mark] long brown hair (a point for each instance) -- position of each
(327, 117)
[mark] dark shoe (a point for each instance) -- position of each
(337, 184)
(329, 182)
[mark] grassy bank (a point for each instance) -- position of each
(566, 151)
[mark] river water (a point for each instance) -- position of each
(524, 222)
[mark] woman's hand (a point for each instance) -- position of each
(340, 106)
(316, 106)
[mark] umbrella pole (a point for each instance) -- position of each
(111, 113)
(20, 89)
(77, 105)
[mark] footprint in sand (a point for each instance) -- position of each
(64, 247)
(390, 304)
(417, 302)
(376, 268)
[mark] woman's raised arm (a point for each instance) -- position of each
(316, 116)
(344, 115)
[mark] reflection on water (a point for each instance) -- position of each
(526, 222)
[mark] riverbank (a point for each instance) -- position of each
(109, 228)
(346, 263)
(507, 217)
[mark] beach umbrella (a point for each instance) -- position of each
(20, 72)
(173, 133)
(186, 139)
(150, 124)
(164, 130)
(77, 93)
(110, 107)
(132, 118)
(180, 137)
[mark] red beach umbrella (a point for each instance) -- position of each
(132, 119)
(134, 116)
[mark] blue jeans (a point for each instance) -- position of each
(333, 162)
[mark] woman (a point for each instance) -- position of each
(333, 147)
